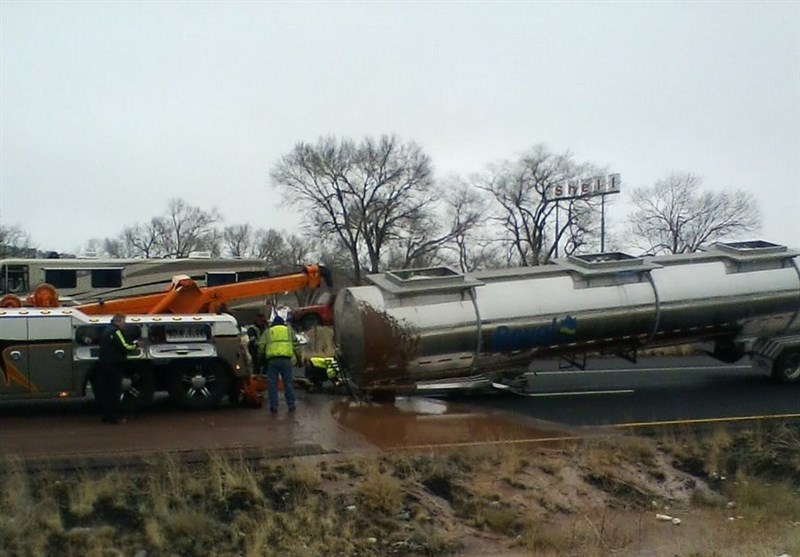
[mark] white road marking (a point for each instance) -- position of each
(580, 393)
(635, 370)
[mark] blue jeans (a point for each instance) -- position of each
(280, 367)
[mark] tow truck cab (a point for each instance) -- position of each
(315, 315)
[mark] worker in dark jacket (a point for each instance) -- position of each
(114, 350)
(278, 345)
(254, 333)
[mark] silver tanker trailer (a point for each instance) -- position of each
(438, 328)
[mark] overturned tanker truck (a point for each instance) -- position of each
(436, 328)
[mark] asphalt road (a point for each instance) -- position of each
(613, 392)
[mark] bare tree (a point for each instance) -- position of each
(238, 239)
(94, 247)
(676, 216)
(211, 242)
(428, 241)
(138, 240)
(532, 222)
(285, 254)
(367, 196)
(15, 242)
(186, 228)
(131, 242)
(181, 231)
(270, 246)
(579, 230)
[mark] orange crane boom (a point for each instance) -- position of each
(185, 297)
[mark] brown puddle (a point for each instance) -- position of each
(421, 422)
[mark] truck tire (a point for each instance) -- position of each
(138, 388)
(383, 396)
(199, 385)
(786, 368)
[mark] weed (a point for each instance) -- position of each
(303, 477)
(511, 463)
(380, 493)
(708, 499)
(551, 466)
(154, 533)
(624, 494)
(500, 519)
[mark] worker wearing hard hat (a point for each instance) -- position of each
(278, 346)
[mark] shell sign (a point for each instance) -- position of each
(586, 187)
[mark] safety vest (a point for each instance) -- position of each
(280, 342)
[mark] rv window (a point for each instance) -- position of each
(217, 279)
(14, 279)
(61, 278)
(251, 275)
(106, 278)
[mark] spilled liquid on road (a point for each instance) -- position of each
(419, 422)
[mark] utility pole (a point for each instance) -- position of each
(603, 223)
(557, 228)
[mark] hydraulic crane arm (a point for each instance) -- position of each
(185, 297)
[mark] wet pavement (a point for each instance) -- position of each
(71, 431)
(418, 422)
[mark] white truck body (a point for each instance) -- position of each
(49, 353)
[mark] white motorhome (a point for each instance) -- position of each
(86, 280)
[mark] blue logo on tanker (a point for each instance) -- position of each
(506, 339)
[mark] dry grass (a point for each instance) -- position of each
(594, 498)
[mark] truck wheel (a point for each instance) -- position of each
(199, 385)
(786, 368)
(383, 396)
(138, 388)
(310, 321)
(234, 394)
(317, 377)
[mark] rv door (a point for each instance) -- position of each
(14, 279)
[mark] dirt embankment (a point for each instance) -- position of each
(600, 496)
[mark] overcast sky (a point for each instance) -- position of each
(109, 109)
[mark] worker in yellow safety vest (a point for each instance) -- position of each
(278, 346)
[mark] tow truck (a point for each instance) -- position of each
(186, 348)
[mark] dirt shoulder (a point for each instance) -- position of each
(599, 496)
